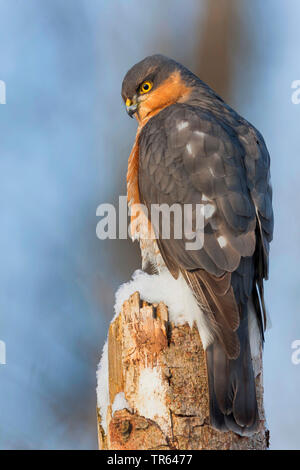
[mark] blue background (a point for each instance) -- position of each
(65, 140)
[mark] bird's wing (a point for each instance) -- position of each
(257, 164)
(187, 156)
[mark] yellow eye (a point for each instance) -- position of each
(145, 87)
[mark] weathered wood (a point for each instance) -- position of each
(161, 369)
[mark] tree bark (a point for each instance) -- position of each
(161, 369)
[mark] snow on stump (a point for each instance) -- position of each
(152, 386)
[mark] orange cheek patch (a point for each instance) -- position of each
(169, 92)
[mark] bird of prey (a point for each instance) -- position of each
(191, 147)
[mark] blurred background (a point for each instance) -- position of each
(65, 141)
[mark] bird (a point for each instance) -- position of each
(193, 148)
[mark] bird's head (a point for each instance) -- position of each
(153, 84)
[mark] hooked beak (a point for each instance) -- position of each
(131, 107)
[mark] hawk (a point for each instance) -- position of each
(191, 147)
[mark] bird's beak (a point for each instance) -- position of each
(131, 107)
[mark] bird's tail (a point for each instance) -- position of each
(232, 391)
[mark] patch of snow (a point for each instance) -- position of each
(175, 293)
(120, 403)
(151, 397)
(102, 386)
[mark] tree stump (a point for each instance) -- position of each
(160, 369)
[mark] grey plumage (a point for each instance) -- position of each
(229, 164)
(202, 151)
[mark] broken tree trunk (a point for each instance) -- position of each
(161, 370)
